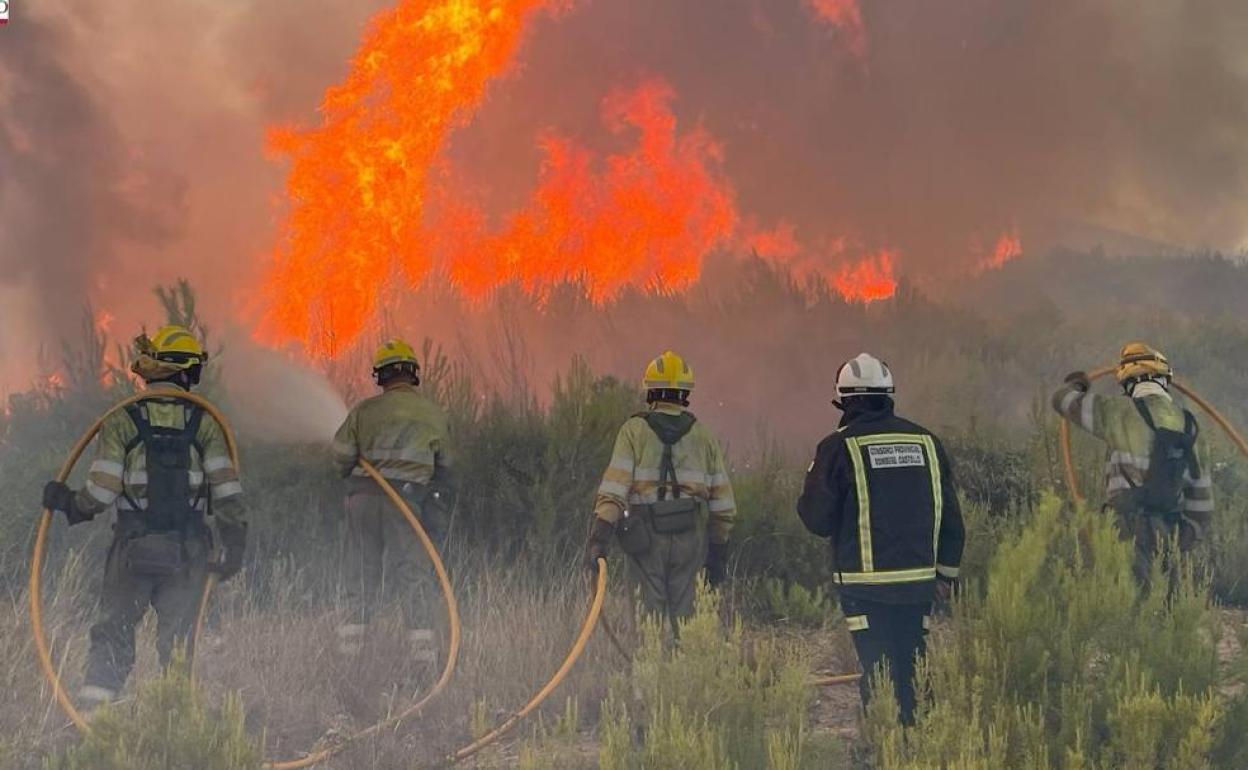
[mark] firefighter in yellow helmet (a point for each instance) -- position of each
(666, 495)
(404, 434)
(1155, 482)
(165, 466)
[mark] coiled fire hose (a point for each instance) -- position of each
(39, 553)
(1068, 462)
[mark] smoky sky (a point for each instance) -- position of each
(69, 193)
(132, 134)
(964, 118)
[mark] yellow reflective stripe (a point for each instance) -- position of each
(927, 622)
(864, 505)
(947, 571)
(890, 438)
(856, 622)
(938, 499)
(887, 576)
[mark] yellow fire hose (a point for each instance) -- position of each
(1068, 462)
(39, 553)
(587, 629)
(41, 543)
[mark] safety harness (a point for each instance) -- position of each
(170, 505)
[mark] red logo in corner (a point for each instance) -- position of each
(4, 12)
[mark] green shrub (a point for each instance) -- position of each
(1065, 663)
(707, 702)
(167, 725)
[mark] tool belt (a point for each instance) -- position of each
(156, 552)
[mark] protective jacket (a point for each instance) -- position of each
(120, 474)
(399, 431)
(633, 477)
(881, 488)
(1129, 441)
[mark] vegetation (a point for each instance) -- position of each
(1051, 657)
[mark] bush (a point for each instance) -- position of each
(1065, 663)
(167, 725)
(707, 704)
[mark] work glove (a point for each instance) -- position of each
(1079, 380)
(597, 542)
(716, 564)
(59, 497)
(945, 589)
(234, 545)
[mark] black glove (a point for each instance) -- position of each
(234, 543)
(1079, 380)
(597, 543)
(59, 497)
(717, 564)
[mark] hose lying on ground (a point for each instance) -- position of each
(39, 553)
(1068, 462)
(587, 629)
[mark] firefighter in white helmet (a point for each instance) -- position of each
(882, 490)
(666, 496)
(403, 434)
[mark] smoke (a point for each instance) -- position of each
(132, 134)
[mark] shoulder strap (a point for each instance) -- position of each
(143, 429)
(1142, 408)
(194, 421)
(669, 435)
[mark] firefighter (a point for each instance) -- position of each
(1153, 500)
(666, 496)
(881, 488)
(404, 435)
(165, 465)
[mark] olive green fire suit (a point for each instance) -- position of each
(1116, 421)
(667, 571)
(119, 476)
(404, 435)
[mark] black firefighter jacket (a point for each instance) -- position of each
(881, 488)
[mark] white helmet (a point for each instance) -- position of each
(864, 375)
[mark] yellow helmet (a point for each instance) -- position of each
(668, 372)
(1139, 361)
(174, 345)
(394, 351)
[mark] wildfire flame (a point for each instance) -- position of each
(357, 182)
(646, 218)
(371, 209)
(1009, 246)
(845, 16)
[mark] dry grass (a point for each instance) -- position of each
(278, 653)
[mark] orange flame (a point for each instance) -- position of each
(867, 280)
(1009, 246)
(357, 182)
(845, 16)
(370, 210)
(646, 218)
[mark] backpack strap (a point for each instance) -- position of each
(1142, 408)
(669, 436)
(143, 431)
(193, 422)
